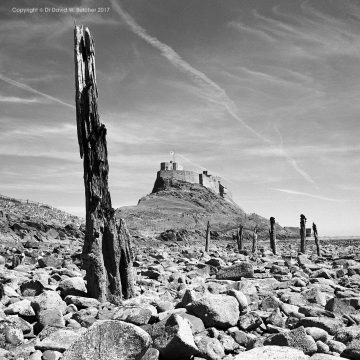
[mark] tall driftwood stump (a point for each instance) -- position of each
(315, 232)
(107, 255)
(255, 241)
(272, 234)
(207, 237)
(302, 233)
(240, 238)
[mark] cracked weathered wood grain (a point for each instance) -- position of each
(107, 253)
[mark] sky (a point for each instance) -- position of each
(264, 94)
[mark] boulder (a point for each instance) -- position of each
(248, 288)
(217, 262)
(336, 346)
(36, 355)
(51, 317)
(73, 286)
(323, 357)
(242, 338)
(9, 291)
(109, 340)
(272, 353)
(48, 300)
(174, 339)
(20, 323)
(81, 301)
(22, 307)
(228, 343)
(209, 348)
(317, 333)
(241, 298)
(322, 347)
(343, 306)
(51, 355)
(57, 340)
(242, 270)
(276, 318)
(50, 261)
(151, 354)
(13, 335)
(188, 297)
(270, 303)
(139, 315)
(296, 338)
(352, 350)
(249, 321)
(196, 323)
(328, 324)
(221, 311)
(31, 288)
(346, 335)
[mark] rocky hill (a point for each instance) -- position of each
(27, 221)
(186, 208)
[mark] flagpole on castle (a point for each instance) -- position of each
(172, 153)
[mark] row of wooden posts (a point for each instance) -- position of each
(272, 234)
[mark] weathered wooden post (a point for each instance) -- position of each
(302, 233)
(272, 233)
(316, 239)
(240, 238)
(106, 254)
(207, 241)
(255, 241)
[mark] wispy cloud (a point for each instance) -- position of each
(302, 151)
(19, 100)
(211, 90)
(41, 78)
(188, 161)
(33, 154)
(300, 193)
(315, 32)
(64, 130)
(34, 91)
(304, 85)
(250, 30)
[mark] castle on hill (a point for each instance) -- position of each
(170, 171)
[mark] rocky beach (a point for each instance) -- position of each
(188, 304)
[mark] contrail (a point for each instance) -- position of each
(34, 91)
(203, 168)
(216, 93)
(295, 165)
(320, 197)
(291, 160)
(213, 92)
(191, 162)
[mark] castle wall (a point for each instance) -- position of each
(170, 165)
(209, 181)
(174, 171)
(182, 175)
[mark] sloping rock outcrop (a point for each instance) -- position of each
(180, 206)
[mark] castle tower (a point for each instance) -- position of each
(170, 165)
